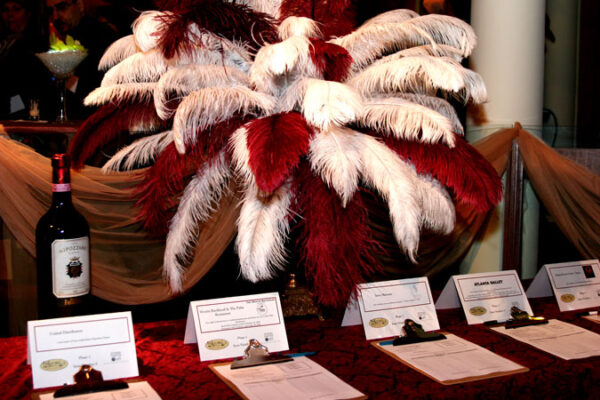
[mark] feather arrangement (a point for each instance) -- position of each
(307, 113)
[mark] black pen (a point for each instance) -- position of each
(587, 313)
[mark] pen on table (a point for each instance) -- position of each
(308, 353)
(386, 342)
(587, 313)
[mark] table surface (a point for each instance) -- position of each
(174, 369)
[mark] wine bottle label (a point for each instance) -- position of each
(61, 187)
(71, 267)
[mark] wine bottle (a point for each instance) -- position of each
(62, 251)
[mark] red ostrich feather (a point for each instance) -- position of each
(336, 244)
(332, 60)
(105, 125)
(276, 145)
(232, 21)
(463, 169)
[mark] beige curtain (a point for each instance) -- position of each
(127, 262)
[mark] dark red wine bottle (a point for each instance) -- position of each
(62, 239)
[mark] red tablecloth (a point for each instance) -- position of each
(175, 371)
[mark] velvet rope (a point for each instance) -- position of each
(128, 262)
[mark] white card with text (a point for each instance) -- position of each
(486, 296)
(223, 327)
(576, 285)
(58, 347)
(384, 306)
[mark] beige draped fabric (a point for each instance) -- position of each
(127, 261)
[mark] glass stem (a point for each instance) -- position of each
(62, 107)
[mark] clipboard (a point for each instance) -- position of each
(258, 362)
(379, 346)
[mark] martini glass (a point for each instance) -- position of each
(62, 64)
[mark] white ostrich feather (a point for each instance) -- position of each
(240, 156)
(334, 154)
(140, 67)
(438, 50)
(141, 152)
(199, 201)
(292, 96)
(393, 16)
(397, 183)
(178, 82)
(406, 120)
(435, 103)
(370, 42)
(263, 228)
(438, 209)
(230, 53)
(420, 74)
(299, 26)
(270, 7)
(328, 103)
(206, 107)
(119, 50)
(278, 65)
(141, 92)
(149, 66)
(145, 29)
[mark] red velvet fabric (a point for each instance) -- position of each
(175, 371)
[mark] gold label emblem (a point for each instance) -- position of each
(378, 322)
(567, 298)
(54, 365)
(216, 344)
(477, 311)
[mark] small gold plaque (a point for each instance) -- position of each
(477, 311)
(567, 298)
(216, 344)
(55, 364)
(378, 322)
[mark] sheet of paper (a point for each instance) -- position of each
(489, 296)
(136, 391)
(384, 306)
(576, 285)
(58, 347)
(558, 338)
(298, 379)
(223, 327)
(452, 359)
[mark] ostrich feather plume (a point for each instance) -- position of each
(330, 103)
(371, 41)
(435, 103)
(141, 152)
(206, 107)
(335, 156)
(278, 64)
(397, 183)
(145, 29)
(438, 208)
(117, 52)
(139, 67)
(269, 7)
(263, 228)
(180, 81)
(406, 120)
(130, 92)
(421, 74)
(299, 26)
(200, 199)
